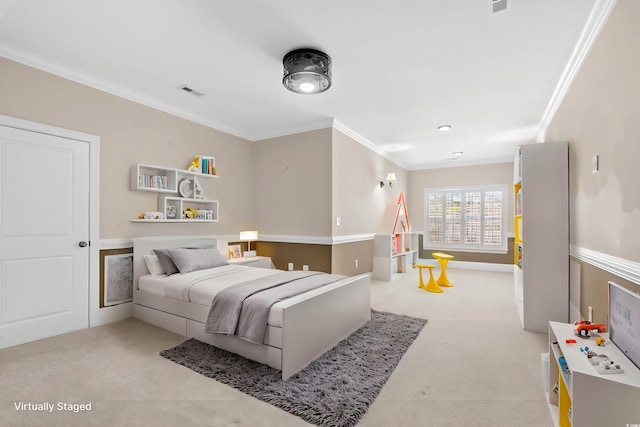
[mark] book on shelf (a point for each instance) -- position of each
(152, 181)
(519, 202)
(397, 244)
(207, 165)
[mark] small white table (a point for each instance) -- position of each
(254, 261)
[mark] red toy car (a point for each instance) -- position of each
(584, 326)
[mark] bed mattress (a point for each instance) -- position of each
(200, 287)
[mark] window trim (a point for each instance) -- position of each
(461, 247)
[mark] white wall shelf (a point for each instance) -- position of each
(170, 183)
(388, 261)
(161, 179)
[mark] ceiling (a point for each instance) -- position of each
(400, 68)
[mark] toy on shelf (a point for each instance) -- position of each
(151, 215)
(601, 362)
(190, 213)
(193, 167)
(584, 327)
(198, 191)
(203, 164)
(593, 357)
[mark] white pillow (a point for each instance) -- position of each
(153, 265)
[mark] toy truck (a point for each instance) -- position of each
(584, 327)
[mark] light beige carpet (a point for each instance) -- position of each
(472, 365)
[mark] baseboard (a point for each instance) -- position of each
(470, 265)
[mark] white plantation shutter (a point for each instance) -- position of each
(453, 218)
(473, 218)
(493, 218)
(466, 218)
(435, 219)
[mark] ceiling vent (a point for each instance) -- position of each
(191, 91)
(498, 5)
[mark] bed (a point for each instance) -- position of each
(299, 329)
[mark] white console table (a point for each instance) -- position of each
(583, 397)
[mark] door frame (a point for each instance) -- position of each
(94, 201)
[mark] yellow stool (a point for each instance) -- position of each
(443, 259)
(431, 285)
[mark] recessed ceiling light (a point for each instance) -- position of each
(444, 128)
(457, 153)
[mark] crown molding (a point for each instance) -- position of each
(86, 79)
(68, 73)
(598, 17)
(339, 126)
(307, 127)
(455, 164)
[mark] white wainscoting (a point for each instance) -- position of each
(621, 267)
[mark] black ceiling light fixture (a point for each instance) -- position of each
(307, 71)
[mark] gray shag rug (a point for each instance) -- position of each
(334, 390)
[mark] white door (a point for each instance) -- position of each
(44, 225)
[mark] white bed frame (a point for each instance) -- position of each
(310, 326)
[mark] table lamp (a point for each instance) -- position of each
(248, 236)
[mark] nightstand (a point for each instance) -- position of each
(254, 261)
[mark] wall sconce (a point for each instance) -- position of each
(391, 178)
(248, 236)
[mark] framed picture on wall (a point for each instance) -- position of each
(118, 279)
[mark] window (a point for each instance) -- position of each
(466, 218)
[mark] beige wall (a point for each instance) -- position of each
(132, 133)
(316, 257)
(601, 115)
(499, 173)
(594, 287)
(357, 197)
(343, 258)
(292, 184)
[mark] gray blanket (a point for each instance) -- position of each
(243, 309)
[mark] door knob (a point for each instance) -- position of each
(82, 244)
